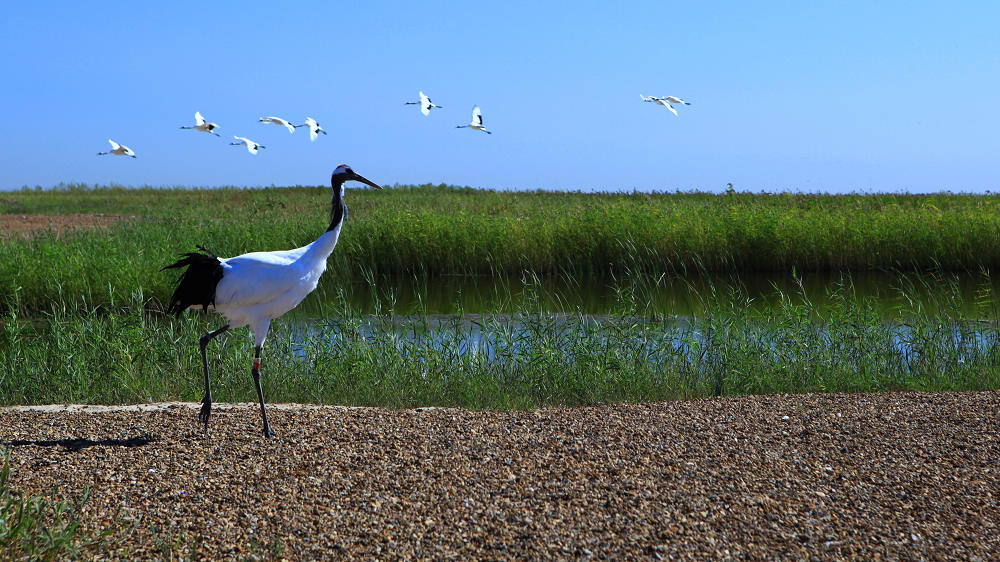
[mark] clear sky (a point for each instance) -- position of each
(798, 96)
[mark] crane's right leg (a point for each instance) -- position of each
(206, 400)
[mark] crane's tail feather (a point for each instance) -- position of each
(197, 283)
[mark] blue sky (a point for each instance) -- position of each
(797, 96)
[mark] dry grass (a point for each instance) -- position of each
(27, 225)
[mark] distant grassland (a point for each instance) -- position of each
(437, 230)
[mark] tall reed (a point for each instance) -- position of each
(437, 230)
(125, 352)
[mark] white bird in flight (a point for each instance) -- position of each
(659, 101)
(202, 125)
(314, 128)
(425, 104)
(673, 99)
(118, 150)
(252, 147)
(278, 121)
(477, 121)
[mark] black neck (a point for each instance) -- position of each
(338, 209)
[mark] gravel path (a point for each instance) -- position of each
(896, 476)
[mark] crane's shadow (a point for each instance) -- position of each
(74, 445)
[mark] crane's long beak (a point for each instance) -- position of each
(366, 181)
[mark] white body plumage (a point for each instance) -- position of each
(261, 286)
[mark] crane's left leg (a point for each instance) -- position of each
(260, 392)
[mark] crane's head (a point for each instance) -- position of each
(344, 173)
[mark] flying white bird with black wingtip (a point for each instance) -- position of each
(253, 289)
(477, 121)
(278, 121)
(425, 104)
(202, 125)
(252, 147)
(659, 101)
(314, 128)
(118, 150)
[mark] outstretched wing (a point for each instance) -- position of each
(477, 116)
(198, 118)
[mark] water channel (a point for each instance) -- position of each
(970, 293)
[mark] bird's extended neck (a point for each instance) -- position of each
(321, 249)
(338, 209)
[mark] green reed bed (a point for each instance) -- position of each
(437, 230)
(124, 353)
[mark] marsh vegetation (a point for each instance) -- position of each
(83, 315)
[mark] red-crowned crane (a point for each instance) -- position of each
(425, 104)
(665, 101)
(201, 125)
(118, 150)
(255, 288)
(659, 101)
(477, 121)
(278, 121)
(314, 128)
(252, 147)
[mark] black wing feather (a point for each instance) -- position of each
(197, 283)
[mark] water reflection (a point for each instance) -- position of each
(674, 295)
(786, 349)
(670, 336)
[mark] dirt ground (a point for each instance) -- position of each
(24, 225)
(904, 476)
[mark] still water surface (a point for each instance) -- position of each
(675, 295)
(489, 317)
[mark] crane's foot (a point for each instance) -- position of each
(267, 432)
(206, 410)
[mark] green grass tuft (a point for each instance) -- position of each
(35, 528)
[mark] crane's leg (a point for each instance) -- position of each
(206, 400)
(260, 392)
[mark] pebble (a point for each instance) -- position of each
(696, 479)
